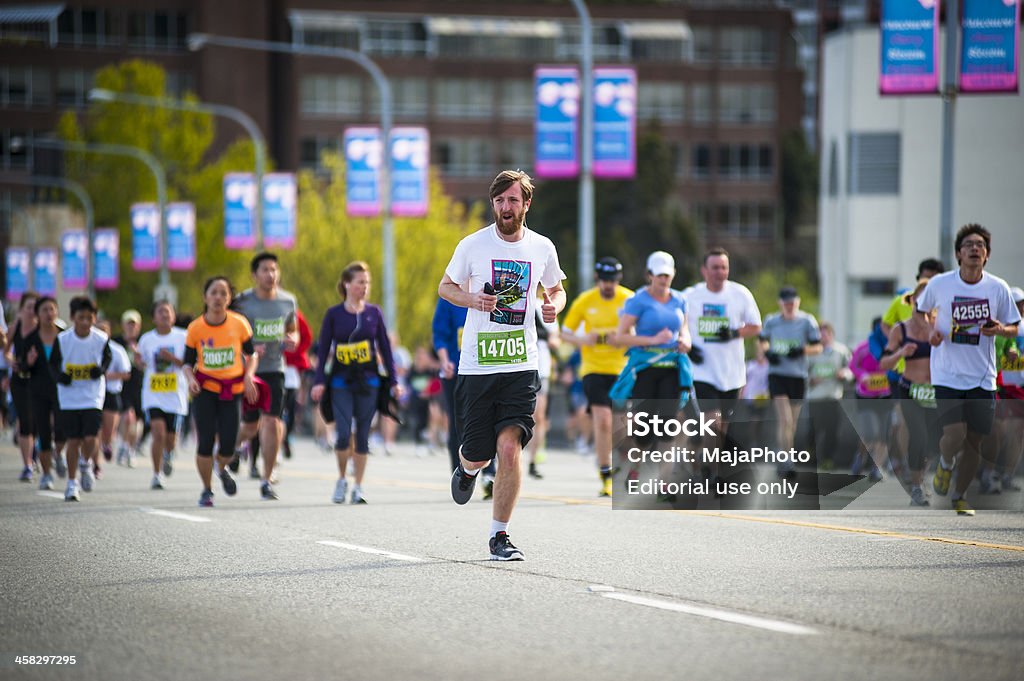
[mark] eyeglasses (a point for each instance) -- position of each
(973, 244)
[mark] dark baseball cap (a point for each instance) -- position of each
(787, 293)
(608, 269)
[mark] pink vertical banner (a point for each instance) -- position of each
(410, 161)
(74, 259)
(556, 124)
(615, 122)
(106, 246)
(990, 46)
(910, 47)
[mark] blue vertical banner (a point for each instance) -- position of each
(363, 158)
(910, 47)
(74, 251)
(410, 162)
(990, 46)
(556, 124)
(180, 219)
(280, 194)
(45, 269)
(18, 262)
(145, 237)
(615, 122)
(106, 246)
(239, 210)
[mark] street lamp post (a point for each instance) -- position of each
(197, 41)
(83, 198)
(165, 290)
(586, 195)
(237, 115)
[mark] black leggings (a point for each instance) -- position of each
(290, 400)
(921, 429)
(216, 419)
(657, 392)
(21, 393)
(46, 422)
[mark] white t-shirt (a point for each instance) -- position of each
(163, 384)
(966, 359)
(78, 356)
(120, 363)
(707, 312)
(503, 341)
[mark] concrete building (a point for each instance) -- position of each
(880, 180)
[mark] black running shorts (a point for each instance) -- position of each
(81, 423)
(975, 407)
(276, 382)
(596, 387)
(486, 405)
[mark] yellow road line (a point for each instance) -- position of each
(572, 501)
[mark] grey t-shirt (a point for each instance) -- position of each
(269, 318)
(822, 372)
(785, 334)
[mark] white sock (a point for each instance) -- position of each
(472, 473)
(942, 462)
(497, 527)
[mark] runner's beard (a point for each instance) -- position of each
(511, 225)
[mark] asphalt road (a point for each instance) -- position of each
(138, 584)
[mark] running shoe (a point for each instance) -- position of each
(488, 488)
(503, 549)
(108, 453)
(229, 484)
(122, 455)
(267, 492)
(235, 460)
(357, 495)
(876, 474)
(534, 473)
(340, 490)
(71, 491)
(462, 485)
(87, 476)
(168, 466)
(254, 473)
(206, 499)
(60, 465)
(26, 474)
(989, 484)
(940, 482)
(962, 507)
(287, 446)
(1009, 485)
(606, 487)
(97, 471)
(917, 497)
(156, 483)
(46, 482)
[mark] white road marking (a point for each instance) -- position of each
(600, 588)
(176, 516)
(51, 494)
(367, 549)
(713, 613)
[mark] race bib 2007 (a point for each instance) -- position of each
(354, 353)
(502, 347)
(163, 383)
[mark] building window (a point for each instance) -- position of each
(746, 104)
(311, 149)
(660, 101)
(517, 99)
(73, 87)
(25, 87)
(747, 47)
(700, 214)
(346, 38)
(874, 163)
(750, 162)
(158, 30)
(465, 156)
(703, 45)
(409, 98)
(15, 149)
(833, 169)
(700, 103)
(179, 83)
(516, 152)
(701, 161)
(396, 38)
(745, 220)
(331, 96)
(464, 98)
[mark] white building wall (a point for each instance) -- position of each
(885, 236)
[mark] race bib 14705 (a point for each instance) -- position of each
(503, 347)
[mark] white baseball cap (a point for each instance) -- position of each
(661, 262)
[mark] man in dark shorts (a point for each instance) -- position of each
(131, 391)
(494, 272)
(973, 307)
(271, 313)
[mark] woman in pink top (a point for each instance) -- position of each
(873, 408)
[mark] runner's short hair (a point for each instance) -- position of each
(506, 178)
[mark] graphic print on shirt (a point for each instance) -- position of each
(511, 280)
(711, 319)
(968, 316)
(164, 379)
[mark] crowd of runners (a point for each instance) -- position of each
(940, 381)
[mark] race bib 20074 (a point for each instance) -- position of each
(218, 358)
(502, 347)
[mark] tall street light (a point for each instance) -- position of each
(197, 41)
(237, 115)
(165, 291)
(586, 196)
(83, 198)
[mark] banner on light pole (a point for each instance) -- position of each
(74, 250)
(910, 47)
(146, 247)
(239, 210)
(556, 123)
(106, 244)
